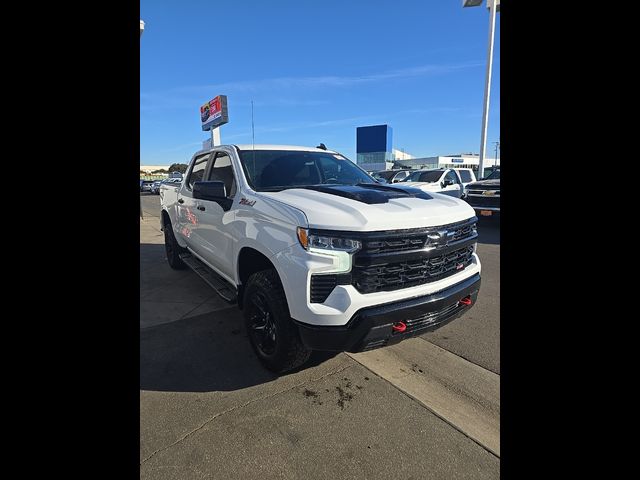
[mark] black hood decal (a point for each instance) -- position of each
(370, 193)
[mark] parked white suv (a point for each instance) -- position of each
(316, 252)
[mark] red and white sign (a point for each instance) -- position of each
(214, 113)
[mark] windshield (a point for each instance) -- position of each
(386, 175)
(495, 175)
(424, 176)
(275, 170)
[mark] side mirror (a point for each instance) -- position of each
(209, 191)
(447, 182)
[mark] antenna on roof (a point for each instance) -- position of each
(322, 146)
(253, 140)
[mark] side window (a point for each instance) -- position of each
(424, 177)
(451, 175)
(197, 173)
(400, 176)
(465, 175)
(222, 171)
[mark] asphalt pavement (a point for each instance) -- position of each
(425, 408)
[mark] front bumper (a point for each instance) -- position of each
(372, 327)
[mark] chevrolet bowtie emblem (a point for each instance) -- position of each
(441, 237)
(489, 192)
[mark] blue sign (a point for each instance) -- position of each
(457, 160)
(374, 139)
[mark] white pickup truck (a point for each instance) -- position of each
(317, 254)
(449, 181)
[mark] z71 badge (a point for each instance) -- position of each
(244, 201)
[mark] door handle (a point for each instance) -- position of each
(201, 208)
(180, 200)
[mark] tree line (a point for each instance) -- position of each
(174, 167)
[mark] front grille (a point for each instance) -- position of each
(411, 239)
(489, 201)
(396, 259)
(481, 192)
(410, 273)
(322, 286)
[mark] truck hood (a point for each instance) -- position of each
(372, 208)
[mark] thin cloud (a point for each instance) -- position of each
(184, 97)
(333, 80)
(344, 121)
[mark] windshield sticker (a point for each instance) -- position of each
(339, 157)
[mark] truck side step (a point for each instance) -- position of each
(215, 281)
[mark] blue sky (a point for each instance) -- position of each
(315, 71)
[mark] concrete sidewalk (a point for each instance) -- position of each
(209, 410)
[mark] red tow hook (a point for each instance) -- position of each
(466, 300)
(399, 327)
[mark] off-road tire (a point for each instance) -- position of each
(288, 352)
(172, 249)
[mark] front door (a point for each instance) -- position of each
(454, 188)
(214, 230)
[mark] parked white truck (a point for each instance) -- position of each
(317, 254)
(449, 181)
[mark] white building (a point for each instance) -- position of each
(401, 155)
(464, 160)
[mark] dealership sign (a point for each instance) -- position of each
(214, 113)
(456, 160)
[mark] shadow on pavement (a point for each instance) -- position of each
(209, 352)
(489, 231)
(151, 252)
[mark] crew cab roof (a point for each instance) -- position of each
(271, 147)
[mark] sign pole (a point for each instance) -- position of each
(487, 87)
(141, 216)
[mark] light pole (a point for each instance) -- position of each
(494, 7)
(495, 159)
(141, 30)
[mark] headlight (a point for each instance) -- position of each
(327, 242)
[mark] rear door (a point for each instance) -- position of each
(466, 176)
(214, 228)
(187, 214)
